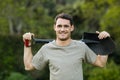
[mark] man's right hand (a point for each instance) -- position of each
(27, 37)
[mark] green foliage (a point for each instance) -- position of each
(18, 76)
(111, 19)
(111, 23)
(10, 59)
(23, 16)
(111, 72)
(37, 16)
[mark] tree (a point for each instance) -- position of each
(22, 16)
(111, 72)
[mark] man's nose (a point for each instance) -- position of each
(62, 28)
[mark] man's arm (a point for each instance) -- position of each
(28, 52)
(101, 60)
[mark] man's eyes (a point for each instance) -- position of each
(66, 26)
(59, 26)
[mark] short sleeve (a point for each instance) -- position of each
(39, 61)
(90, 56)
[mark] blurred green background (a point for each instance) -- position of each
(37, 16)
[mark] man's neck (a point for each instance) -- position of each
(63, 43)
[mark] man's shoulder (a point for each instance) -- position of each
(50, 44)
(78, 42)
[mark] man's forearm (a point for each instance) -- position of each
(28, 58)
(101, 60)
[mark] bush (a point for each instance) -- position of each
(18, 76)
(110, 72)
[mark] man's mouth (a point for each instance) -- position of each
(63, 32)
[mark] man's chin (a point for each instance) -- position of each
(63, 39)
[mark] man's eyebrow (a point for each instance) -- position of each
(63, 25)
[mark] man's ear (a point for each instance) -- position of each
(72, 28)
(54, 27)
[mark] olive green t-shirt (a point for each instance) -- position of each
(65, 62)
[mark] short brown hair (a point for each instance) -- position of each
(64, 16)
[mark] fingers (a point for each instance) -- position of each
(97, 32)
(27, 36)
(103, 35)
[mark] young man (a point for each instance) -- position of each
(63, 55)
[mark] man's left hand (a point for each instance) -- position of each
(103, 34)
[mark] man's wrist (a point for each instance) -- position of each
(27, 46)
(27, 43)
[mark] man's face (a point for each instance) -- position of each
(63, 29)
